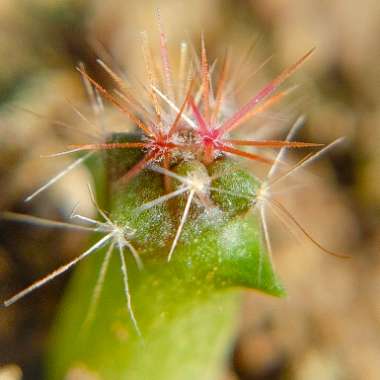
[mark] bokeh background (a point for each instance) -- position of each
(329, 325)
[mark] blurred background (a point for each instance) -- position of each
(329, 325)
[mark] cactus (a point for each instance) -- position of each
(183, 228)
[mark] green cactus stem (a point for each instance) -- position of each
(186, 309)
